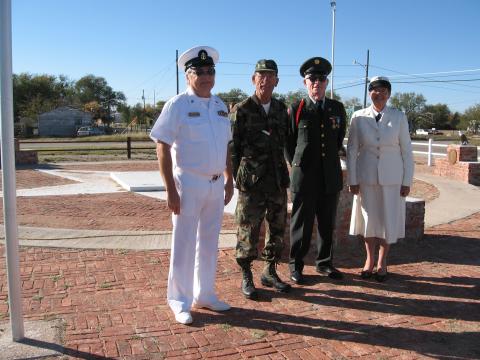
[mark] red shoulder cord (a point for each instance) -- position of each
(299, 110)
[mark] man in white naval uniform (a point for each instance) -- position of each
(192, 135)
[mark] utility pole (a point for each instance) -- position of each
(355, 62)
(366, 80)
(333, 4)
(176, 63)
(154, 104)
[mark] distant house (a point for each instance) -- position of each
(63, 121)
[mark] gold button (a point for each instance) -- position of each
(321, 126)
(323, 154)
(323, 145)
(323, 135)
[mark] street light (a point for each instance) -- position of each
(355, 62)
(333, 4)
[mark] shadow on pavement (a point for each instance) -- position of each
(439, 344)
(61, 350)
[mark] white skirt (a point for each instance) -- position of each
(379, 211)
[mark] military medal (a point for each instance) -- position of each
(193, 114)
(222, 113)
(334, 122)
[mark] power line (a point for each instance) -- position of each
(441, 81)
(421, 77)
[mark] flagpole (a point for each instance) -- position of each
(8, 173)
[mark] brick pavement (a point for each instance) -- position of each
(112, 304)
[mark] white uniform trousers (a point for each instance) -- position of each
(193, 260)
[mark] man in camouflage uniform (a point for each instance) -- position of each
(259, 128)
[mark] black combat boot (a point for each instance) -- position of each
(248, 287)
(270, 278)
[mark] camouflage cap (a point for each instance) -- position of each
(266, 65)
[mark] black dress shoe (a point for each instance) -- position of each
(296, 277)
(330, 271)
(365, 274)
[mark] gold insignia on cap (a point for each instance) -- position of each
(317, 61)
(203, 55)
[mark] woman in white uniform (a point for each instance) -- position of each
(380, 173)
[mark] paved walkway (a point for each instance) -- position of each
(110, 303)
(456, 201)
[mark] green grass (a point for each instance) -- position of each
(143, 136)
(258, 334)
(55, 278)
(105, 285)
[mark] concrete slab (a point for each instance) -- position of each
(457, 200)
(88, 182)
(104, 239)
(139, 180)
(42, 339)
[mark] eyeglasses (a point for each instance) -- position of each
(380, 90)
(201, 72)
(314, 78)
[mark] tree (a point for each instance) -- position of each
(411, 104)
(91, 88)
(439, 115)
(294, 96)
(233, 96)
(35, 94)
(352, 102)
(470, 120)
(336, 96)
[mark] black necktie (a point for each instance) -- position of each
(378, 117)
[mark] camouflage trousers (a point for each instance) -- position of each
(252, 208)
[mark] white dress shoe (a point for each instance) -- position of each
(184, 318)
(215, 306)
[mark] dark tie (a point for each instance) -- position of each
(378, 117)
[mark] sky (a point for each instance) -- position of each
(423, 46)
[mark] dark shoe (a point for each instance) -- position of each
(365, 274)
(330, 271)
(270, 279)
(248, 287)
(297, 277)
(381, 277)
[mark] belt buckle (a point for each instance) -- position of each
(215, 178)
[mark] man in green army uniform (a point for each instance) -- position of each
(259, 129)
(316, 131)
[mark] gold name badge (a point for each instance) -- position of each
(193, 114)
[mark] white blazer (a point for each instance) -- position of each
(379, 153)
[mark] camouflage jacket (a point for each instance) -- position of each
(257, 145)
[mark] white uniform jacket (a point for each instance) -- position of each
(198, 131)
(379, 153)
